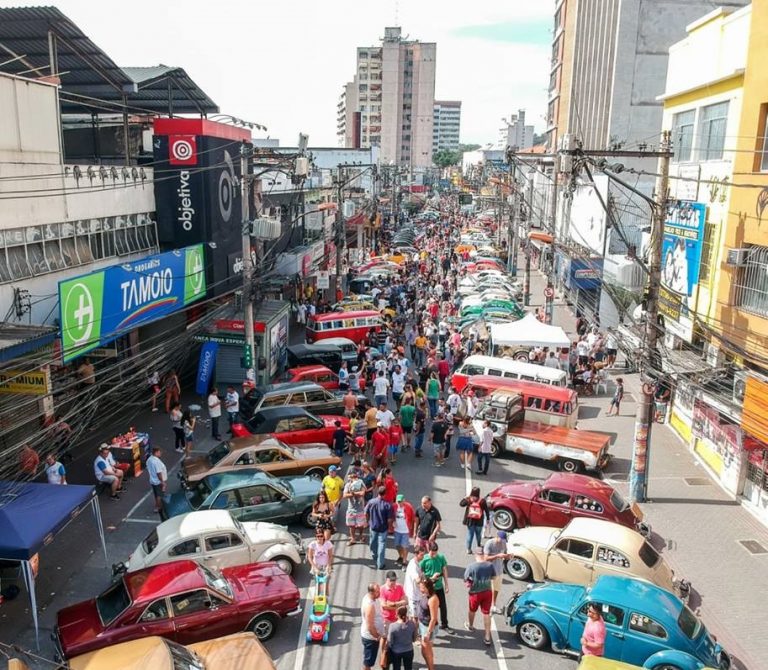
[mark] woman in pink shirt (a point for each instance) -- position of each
(593, 638)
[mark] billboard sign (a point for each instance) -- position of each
(98, 307)
(586, 273)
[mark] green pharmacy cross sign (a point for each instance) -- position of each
(99, 307)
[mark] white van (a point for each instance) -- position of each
(506, 367)
(347, 346)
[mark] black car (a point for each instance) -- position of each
(328, 355)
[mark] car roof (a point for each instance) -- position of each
(146, 652)
(163, 580)
(285, 387)
(579, 483)
(301, 349)
(308, 369)
(601, 530)
(193, 523)
(282, 411)
(225, 480)
(639, 593)
(339, 341)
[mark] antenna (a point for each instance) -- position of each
(397, 12)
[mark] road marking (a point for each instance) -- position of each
(154, 522)
(301, 647)
(137, 505)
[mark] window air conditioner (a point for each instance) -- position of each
(739, 386)
(737, 258)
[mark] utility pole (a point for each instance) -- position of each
(641, 450)
(340, 236)
(549, 295)
(513, 245)
(528, 221)
(248, 349)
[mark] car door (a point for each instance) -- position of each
(245, 460)
(552, 507)
(615, 628)
(570, 560)
(154, 620)
(200, 615)
(187, 549)
(327, 380)
(315, 401)
(308, 429)
(644, 637)
(260, 502)
(224, 549)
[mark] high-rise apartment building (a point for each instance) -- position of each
(514, 133)
(446, 125)
(390, 101)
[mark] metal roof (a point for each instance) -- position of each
(90, 81)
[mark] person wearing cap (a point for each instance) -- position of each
(478, 578)
(392, 598)
(106, 473)
(354, 493)
(333, 485)
(404, 524)
(496, 552)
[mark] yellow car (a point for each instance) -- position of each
(598, 663)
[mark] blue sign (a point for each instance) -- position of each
(98, 307)
(681, 247)
(586, 273)
(206, 367)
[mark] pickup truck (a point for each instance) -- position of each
(571, 450)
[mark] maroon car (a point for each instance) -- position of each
(181, 601)
(291, 424)
(556, 500)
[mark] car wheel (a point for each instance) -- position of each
(570, 465)
(263, 626)
(666, 666)
(533, 635)
(306, 518)
(285, 564)
(503, 519)
(496, 449)
(518, 568)
(317, 473)
(523, 357)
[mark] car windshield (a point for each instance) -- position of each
(150, 542)
(112, 603)
(618, 502)
(689, 624)
(198, 494)
(183, 658)
(218, 452)
(648, 555)
(291, 450)
(282, 486)
(217, 582)
(256, 423)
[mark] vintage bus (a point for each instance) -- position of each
(354, 326)
(507, 368)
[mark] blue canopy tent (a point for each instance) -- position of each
(31, 515)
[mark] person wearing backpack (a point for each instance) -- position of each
(475, 515)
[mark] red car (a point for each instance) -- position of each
(291, 424)
(319, 374)
(182, 601)
(556, 500)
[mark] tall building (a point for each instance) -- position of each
(514, 132)
(446, 125)
(390, 101)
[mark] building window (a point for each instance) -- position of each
(712, 122)
(752, 282)
(682, 135)
(707, 250)
(761, 160)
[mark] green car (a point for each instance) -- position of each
(505, 305)
(250, 495)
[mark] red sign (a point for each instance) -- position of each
(182, 150)
(238, 326)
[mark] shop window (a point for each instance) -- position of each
(53, 255)
(133, 240)
(108, 243)
(752, 282)
(84, 251)
(712, 123)
(682, 135)
(761, 148)
(69, 252)
(757, 473)
(36, 256)
(5, 270)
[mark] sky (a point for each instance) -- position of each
(282, 64)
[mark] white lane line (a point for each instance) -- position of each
(301, 646)
(142, 500)
(154, 522)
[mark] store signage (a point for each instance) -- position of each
(24, 383)
(98, 307)
(182, 150)
(220, 339)
(238, 326)
(585, 274)
(323, 280)
(753, 416)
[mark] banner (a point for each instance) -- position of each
(25, 383)
(98, 307)
(205, 367)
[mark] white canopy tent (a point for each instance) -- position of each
(528, 332)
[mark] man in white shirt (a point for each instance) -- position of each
(214, 411)
(484, 450)
(106, 473)
(398, 383)
(158, 479)
(552, 361)
(582, 349)
(232, 403)
(380, 387)
(413, 577)
(454, 402)
(384, 416)
(54, 471)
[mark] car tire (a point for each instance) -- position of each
(518, 568)
(317, 473)
(504, 519)
(263, 626)
(284, 563)
(305, 518)
(532, 634)
(665, 666)
(522, 357)
(570, 465)
(496, 449)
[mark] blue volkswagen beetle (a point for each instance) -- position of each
(645, 624)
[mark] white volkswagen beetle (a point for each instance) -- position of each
(217, 540)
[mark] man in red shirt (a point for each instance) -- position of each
(392, 597)
(380, 446)
(443, 369)
(403, 527)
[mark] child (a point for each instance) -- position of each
(395, 439)
(617, 397)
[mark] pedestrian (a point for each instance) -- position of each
(320, 557)
(188, 422)
(378, 512)
(380, 446)
(419, 429)
(153, 382)
(354, 493)
(478, 578)
(405, 517)
(593, 638)
(350, 402)
(343, 377)
(54, 471)
(464, 444)
(232, 404)
(106, 473)
(407, 415)
(392, 599)
(395, 440)
(339, 439)
(333, 485)
(496, 551)
(380, 389)
(28, 462)
(618, 395)
(384, 415)
(433, 393)
(371, 422)
(87, 374)
(322, 514)
(427, 616)
(158, 480)
(176, 417)
(412, 580)
(402, 633)
(214, 411)
(438, 434)
(485, 448)
(371, 626)
(172, 390)
(435, 567)
(476, 513)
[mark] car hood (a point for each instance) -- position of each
(554, 596)
(78, 624)
(312, 450)
(248, 581)
(241, 650)
(525, 490)
(304, 486)
(178, 503)
(532, 536)
(262, 531)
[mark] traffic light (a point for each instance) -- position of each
(246, 362)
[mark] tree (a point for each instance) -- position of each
(468, 147)
(445, 158)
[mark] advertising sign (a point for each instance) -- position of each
(206, 367)
(24, 383)
(323, 280)
(100, 306)
(586, 273)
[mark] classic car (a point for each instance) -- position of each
(217, 540)
(182, 601)
(583, 551)
(318, 374)
(600, 663)
(239, 651)
(250, 495)
(305, 394)
(292, 425)
(558, 499)
(645, 624)
(264, 452)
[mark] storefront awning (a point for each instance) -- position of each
(17, 340)
(540, 237)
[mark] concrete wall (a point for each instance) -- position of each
(422, 116)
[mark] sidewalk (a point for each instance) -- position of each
(695, 523)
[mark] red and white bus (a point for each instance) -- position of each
(543, 403)
(354, 326)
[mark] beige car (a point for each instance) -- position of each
(584, 550)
